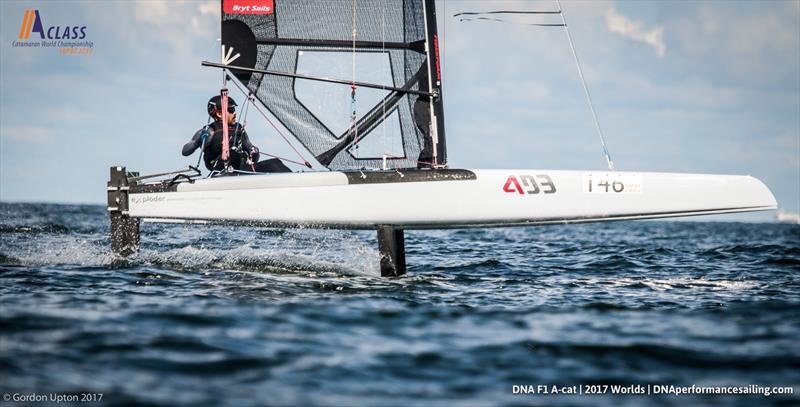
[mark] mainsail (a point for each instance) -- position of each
(392, 43)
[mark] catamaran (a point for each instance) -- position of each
(284, 55)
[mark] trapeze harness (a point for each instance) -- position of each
(234, 156)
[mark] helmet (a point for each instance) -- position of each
(216, 102)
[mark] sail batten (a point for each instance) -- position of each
(377, 47)
(417, 45)
(236, 68)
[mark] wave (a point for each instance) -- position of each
(660, 353)
(787, 217)
(190, 258)
(5, 259)
(316, 252)
(55, 228)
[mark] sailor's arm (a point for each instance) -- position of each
(195, 143)
(248, 147)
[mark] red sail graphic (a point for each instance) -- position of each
(248, 6)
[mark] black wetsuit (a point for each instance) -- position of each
(240, 146)
(240, 149)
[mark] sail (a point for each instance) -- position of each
(390, 43)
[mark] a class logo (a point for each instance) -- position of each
(32, 23)
(30, 19)
(529, 184)
(68, 38)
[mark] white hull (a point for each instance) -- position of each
(490, 198)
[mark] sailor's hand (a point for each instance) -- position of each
(254, 154)
(204, 134)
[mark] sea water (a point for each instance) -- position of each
(624, 313)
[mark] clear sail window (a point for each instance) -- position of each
(332, 104)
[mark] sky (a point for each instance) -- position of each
(679, 86)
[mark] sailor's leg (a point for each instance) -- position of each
(272, 165)
(391, 244)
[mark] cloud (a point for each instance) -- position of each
(743, 41)
(750, 33)
(167, 14)
(522, 92)
(153, 12)
(634, 30)
(27, 134)
(209, 8)
(171, 22)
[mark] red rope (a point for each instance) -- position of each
(305, 162)
(225, 142)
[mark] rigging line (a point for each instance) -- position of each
(353, 86)
(508, 22)
(475, 13)
(203, 143)
(281, 158)
(586, 91)
(255, 105)
(200, 157)
(305, 162)
(246, 109)
(354, 45)
(241, 125)
(383, 104)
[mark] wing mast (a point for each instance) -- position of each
(435, 84)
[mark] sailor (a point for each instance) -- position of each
(243, 155)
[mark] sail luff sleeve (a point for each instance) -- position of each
(435, 82)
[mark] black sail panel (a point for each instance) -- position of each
(315, 37)
(241, 38)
